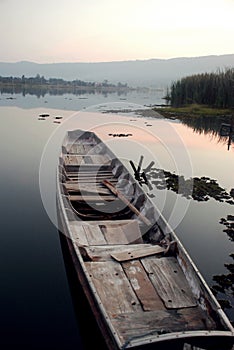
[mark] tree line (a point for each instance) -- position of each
(56, 82)
(212, 89)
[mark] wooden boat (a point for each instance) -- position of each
(142, 286)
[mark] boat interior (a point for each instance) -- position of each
(145, 283)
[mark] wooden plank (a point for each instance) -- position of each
(87, 159)
(93, 180)
(113, 287)
(80, 176)
(142, 286)
(113, 222)
(128, 254)
(88, 172)
(132, 232)
(94, 167)
(76, 149)
(103, 253)
(196, 317)
(119, 233)
(91, 198)
(94, 235)
(138, 324)
(78, 233)
(86, 188)
(71, 160)
(114, 234)
(169, 281)
(102, 159)
(88, 147)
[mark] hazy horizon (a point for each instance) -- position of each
(130, 60)
(59, 31)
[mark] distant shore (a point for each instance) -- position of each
(192, 111)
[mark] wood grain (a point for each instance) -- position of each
(170, 282)
(113, 287)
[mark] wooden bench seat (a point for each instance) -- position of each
(126, 232)
(92, 198)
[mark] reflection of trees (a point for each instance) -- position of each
(208, 125)
(224, 286)
(224, 283)
(41, 91)
(199, 189)
(40, 86)
(229, 223)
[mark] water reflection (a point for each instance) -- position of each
(41, 91)
(212, 125)
(224, 283)
(197, 188)
(229, 223)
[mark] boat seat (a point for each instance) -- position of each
(107, 232)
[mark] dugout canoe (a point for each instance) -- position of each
(142, 286)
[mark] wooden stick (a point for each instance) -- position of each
(118, 194)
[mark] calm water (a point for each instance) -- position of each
(37, 308)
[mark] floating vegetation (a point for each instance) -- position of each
(229, 223)
(44, 115)
(200, 189)
(120, 135)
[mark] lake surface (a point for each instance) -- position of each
(37, 305)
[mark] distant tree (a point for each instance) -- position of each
(214, 89)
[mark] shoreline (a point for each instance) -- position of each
(193, 111)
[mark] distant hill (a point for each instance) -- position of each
(149, 73)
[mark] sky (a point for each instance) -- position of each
(49, 31)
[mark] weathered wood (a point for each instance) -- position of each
(196, 317)
(87, 159)
(170, 282)
(91, 182)
(89, 172)
(114, 234)
(92, 198)
(102, 159)
(138, 324)
(94, 179)
(92, 175)
(76, 148)
(126, 201)
(88, 147)
(128, 254)
(71, 160)
(78, 234)
(130, 231)
(142, 286)
(125, 222)
(113, 287)
(94, 235)
(86, 188)
(103, 253)
(146, 296)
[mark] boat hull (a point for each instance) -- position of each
(164, 320)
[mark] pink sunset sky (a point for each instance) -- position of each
(108, 30)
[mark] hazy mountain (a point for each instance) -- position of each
(153, 72)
